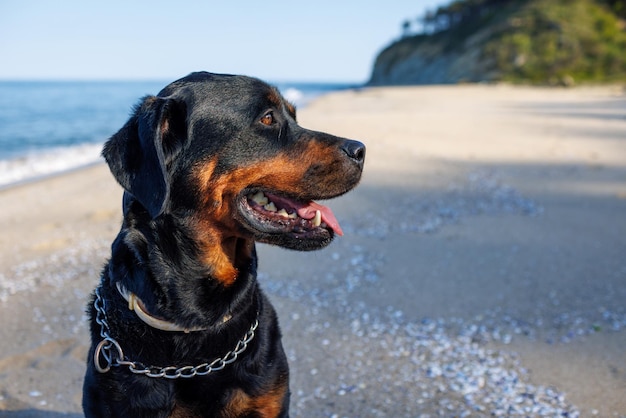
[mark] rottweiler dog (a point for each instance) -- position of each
(179, 324)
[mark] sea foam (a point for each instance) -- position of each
(45, 163)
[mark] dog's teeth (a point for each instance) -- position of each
(270, 206)
(260, 198)
(283, 213)
(317, 221)
(292, 215)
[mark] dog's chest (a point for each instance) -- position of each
(182, 412)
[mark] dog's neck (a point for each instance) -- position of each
(222, 255)
(190, 264)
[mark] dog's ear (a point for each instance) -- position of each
(141, 154)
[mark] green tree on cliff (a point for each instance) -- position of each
(537, 41)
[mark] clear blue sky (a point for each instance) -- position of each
(318, 40)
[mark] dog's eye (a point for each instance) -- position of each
(268, 119)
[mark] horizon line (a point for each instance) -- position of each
(166, 80)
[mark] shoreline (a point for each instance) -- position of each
(482, 260)
(43, 177)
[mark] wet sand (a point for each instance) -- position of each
(482, 271)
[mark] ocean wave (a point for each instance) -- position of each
(45, 163)
(294, 96)
(301, 94)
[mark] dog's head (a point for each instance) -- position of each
(227, 152)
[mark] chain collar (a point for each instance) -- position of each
(109, 352)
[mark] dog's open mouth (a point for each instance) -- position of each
(280, 220)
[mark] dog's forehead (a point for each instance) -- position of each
(223, 89)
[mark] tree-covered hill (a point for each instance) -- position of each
(525, 41)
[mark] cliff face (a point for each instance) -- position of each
(531, 41)
(422, 60)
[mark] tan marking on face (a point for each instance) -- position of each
(218, 247)
(282, 173)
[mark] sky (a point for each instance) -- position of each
(316, 41)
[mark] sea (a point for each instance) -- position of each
(49, 127)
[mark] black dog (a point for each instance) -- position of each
(179, 325)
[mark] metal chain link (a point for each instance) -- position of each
(111, 352)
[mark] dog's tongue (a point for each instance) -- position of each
(307, 211)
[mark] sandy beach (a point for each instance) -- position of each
(482, 271)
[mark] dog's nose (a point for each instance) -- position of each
(354, 150)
